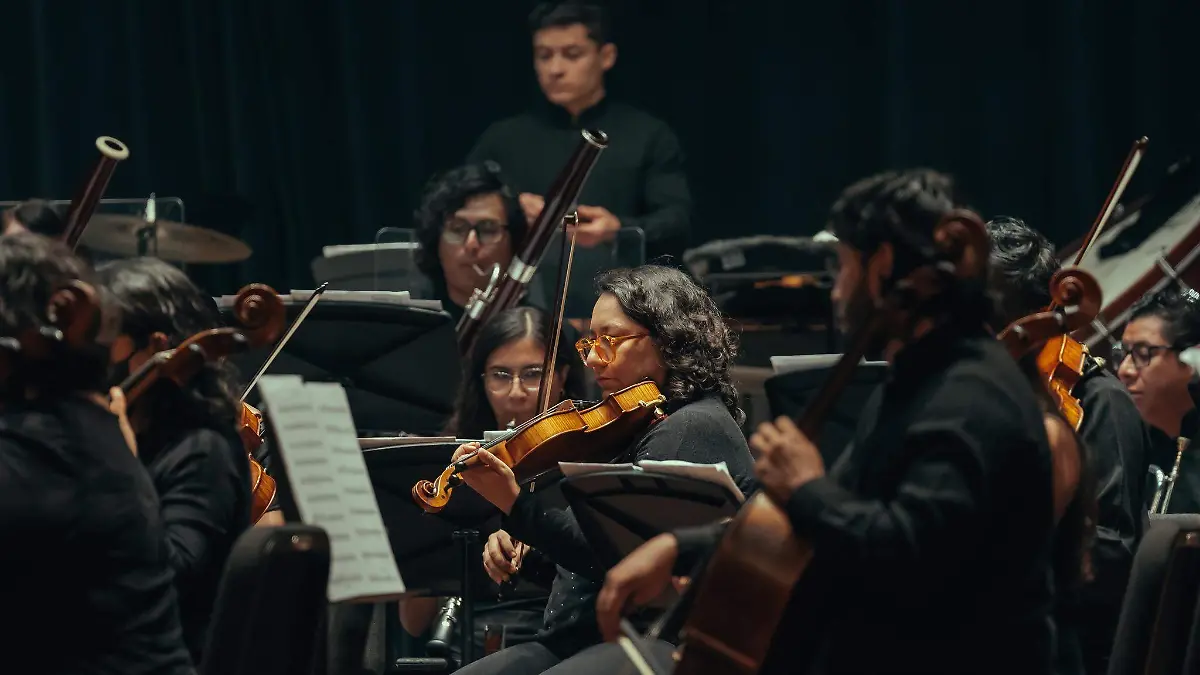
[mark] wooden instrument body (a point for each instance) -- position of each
(1061, 362)
(262, 486)
(759, 551)
(561, 434)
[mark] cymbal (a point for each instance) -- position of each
(174, 242)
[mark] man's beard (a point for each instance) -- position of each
(855, 314)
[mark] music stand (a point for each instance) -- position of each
(437, 554)
(398, 364)
(619, 510)
(790, 394)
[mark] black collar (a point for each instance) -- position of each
(558, 116)
(933, 351)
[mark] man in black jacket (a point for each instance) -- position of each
(639, 181)
(1116, 441)
(931, 536)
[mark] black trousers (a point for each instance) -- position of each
(532, 657)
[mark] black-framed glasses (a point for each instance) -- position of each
(1142, 353)
(488, 232)
(500, 380)
(605, 346)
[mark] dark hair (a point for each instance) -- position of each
(898, 207)
(1179, 309)
(38, 216)
(472, 413)
(32, 268)
(697, 346)
(446, 193)
(593, 17)
(1020, 268)
(157, 297)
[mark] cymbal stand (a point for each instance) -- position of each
(147, 235)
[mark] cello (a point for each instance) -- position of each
(759, 554)
(261, 315)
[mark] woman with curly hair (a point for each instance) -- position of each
(649, 323)
(468, 221)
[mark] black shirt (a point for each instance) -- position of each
(1164, 450)
(1117, 444)
(932, 534)
(701, 432)
(203, 484)
(84, 575)
(639, 178)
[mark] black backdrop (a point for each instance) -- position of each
(299, 124)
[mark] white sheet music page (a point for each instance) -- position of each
(328, 477)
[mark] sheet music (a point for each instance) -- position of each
(328, 477)
(788, 364)
(387, 297)
(346, 249)
(711, 473)
(389, 441)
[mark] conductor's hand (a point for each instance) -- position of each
(490, 477)
(500, 556)
(636, 580)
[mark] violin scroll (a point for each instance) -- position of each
(72, 313)
(260, 313)
(1076, 299)
(962, 237)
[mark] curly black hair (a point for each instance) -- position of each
(472, 413)
(1020, 267)
(446, 193)
(156, 297)
(696, 344)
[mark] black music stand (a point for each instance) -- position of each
(437, 554)
(790, 394)
(619, 510)
(383, 267)
(398, 364)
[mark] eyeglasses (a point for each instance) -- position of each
(605, 345)
(488, 232)
(500, 381)
(1141, 352)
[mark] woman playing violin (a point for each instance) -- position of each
(499, 388)
(186, 436)
(84, 572)
(649, 323)
(1022, 265)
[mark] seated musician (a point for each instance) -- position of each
(1160, 327)
(649, 323)
(84, 574)
(468, 221)
(931, 536)
(33, 215)
(187, 436)
(1022, 264)
(499, 387)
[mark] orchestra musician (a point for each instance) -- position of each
(1023, 262)
(651, 323)
(1160, 327)
(468, 221)
(931, 536)
(84, 572)
(187, 436)
(499, 388)
(641, 181)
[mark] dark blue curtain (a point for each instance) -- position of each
(295, 125)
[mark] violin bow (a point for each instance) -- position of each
(1110, 203)
(308, 307)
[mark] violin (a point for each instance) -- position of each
(262, 487)
(260, 314)
(759, 554)
(1061, 361)
(564, 433)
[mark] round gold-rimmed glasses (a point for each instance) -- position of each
(605, 346)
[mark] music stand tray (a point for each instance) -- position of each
(399, 364)
(619, 510)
